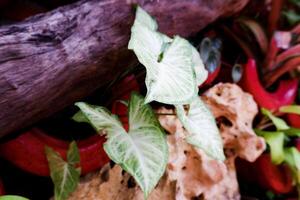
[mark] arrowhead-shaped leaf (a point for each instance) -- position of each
(142, 151)
(64, 175)
(169, 63)
(202, 128)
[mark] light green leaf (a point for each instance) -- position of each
(12, 197)
(292, 17)
(292, 158)
(294, 109)
(201, 72)
(73, 156)
(202, 128)
(279, 123)
(169, 63)
(276, 142)
(80, 117)
(98, 117)
(142, 152)
(64, 175)
(295, 2)
(293, 132)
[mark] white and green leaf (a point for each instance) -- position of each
(201, 72)
(202, 128)
(142, 18)
(98, 117)
(64, 175)
(143, 151)
(169, 62)
(173, 81)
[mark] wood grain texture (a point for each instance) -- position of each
(53, 59)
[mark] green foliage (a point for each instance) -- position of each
(276, 140)
(174, 70)
(64, 175)
(202, 128)
(174, 67)
(279, 123)
(12, 197)
(294, 109)
(292, 158)
(292, 17)
(143, 151)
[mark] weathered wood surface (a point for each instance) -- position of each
(53, 59)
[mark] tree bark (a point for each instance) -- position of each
(53, 59)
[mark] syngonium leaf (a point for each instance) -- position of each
(279, 123)
(142, 18)
(99, 117)
(12, 197)
(275, 140)
(64, 175)
(202, 128)
(143, 151)
(173, 66)
(80, 117)
(201, 72)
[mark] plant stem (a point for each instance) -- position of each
(274, 15)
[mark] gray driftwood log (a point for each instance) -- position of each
(53, 59)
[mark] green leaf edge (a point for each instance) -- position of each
(12, 197)
(181, 114)
(78, 117)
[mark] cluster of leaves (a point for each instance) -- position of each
(174, 71)
(278, 140)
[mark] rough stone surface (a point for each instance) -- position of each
(235, 111)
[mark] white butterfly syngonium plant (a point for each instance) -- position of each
(174, 70)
